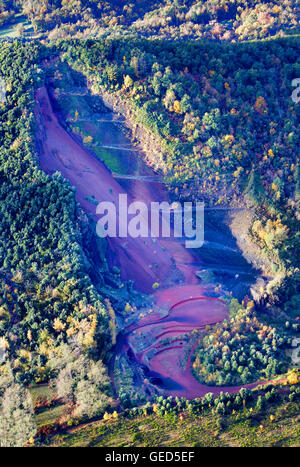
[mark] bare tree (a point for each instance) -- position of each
(80, 381)
(17, 424)
(20, 29)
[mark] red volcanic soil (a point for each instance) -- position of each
(165, 359)
(58, 151)
(141, 260)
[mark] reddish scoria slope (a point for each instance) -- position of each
(142, 261)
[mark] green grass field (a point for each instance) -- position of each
(9, 30)
(45, 416)
(244, 428)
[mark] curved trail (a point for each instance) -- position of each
(186, 303)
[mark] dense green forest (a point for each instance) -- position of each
(241, 350)
(46, 294)
(181, 19)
